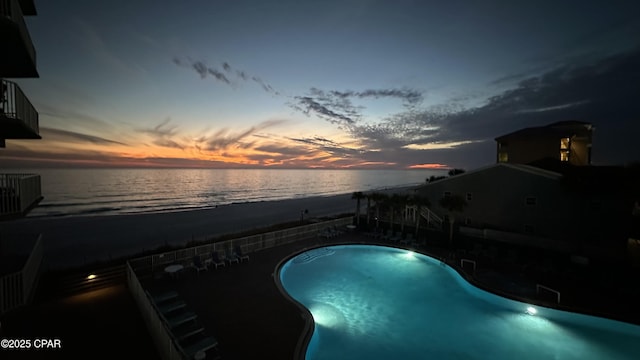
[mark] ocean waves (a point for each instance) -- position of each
(95, 192)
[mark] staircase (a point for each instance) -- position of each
(433, 220)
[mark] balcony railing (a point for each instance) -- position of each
(18, 194)
(17, 288)
(11, 11)
(18, 117)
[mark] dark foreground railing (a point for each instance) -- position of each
(15, 105)
(18, 193)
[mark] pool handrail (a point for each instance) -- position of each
(539, 286)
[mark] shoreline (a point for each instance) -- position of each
(40, 213)
(76, 241)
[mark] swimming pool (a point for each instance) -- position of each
(375, 302)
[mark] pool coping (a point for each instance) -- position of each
(309, 326)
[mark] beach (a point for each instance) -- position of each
(82, 240)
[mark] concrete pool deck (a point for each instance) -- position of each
(240, 305)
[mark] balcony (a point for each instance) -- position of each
(18, 118)
(18, 53)
(19, 193)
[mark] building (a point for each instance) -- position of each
(581, 211)
(567, 141)
(20, 254)
(19, 193)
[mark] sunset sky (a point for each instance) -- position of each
(331, 84)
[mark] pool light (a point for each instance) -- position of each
(91, 277)
(531, 310)
(410, 255)
(326, 315)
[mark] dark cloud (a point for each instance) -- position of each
(323, 145)
(242, 75)
(18, 155)
(266, 87)
(203, 70)
(290, 151)
(66, 135)
(162, 134)
(224, 139)
(602, 92)
(316, 140)
(409, 96)
(337, 106)
(309, 105)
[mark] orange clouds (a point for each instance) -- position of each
(428, 166)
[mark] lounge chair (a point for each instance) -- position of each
(328, 233)
(240, 254)
(159, 298)
(202, 345)
(232, 257)
(408, 239)
(395, 237)
(187, 330)
(171, 306)
(180, 319)
(198, 265)
(216, 260)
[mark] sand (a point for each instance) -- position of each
(77, 241)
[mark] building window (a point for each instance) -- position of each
(446, 194)
(469, 196)
(528, 229)
(503, 157)
(530, 200)
(565, 149)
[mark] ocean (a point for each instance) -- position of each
(76, 192)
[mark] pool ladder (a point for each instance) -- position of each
(463, 261)
(538, 287)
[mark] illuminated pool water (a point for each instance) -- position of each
(373, 302)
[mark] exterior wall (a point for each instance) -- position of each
(498, 200)
(526, 150)
(590, 221)
(19, 55)
(526, 147)
(580, 152)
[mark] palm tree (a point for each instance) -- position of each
(358, 195)
(403, 201)
(368, 208)
(393, 201)
(379, 199)
(453, 203)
